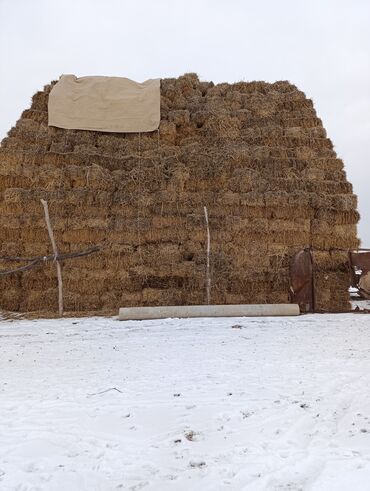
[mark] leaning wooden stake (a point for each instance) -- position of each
(208, 276)
(55, 251)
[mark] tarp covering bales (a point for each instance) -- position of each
(254, 153)
(113, 104)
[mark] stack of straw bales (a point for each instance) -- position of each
(255, 154)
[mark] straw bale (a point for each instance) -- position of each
(330, 260)
(254, 153)
(331, 291)
(10, 281)
(10, 235)
(11, 298)
(337, 218)
(329, 241)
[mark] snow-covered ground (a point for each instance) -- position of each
(205, 404)
(359, 303)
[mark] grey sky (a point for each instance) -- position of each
(323, 47)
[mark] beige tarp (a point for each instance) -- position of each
(111, 104)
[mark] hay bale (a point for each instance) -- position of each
(255, 154)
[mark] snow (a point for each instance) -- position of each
(192, 404)
(357, 302)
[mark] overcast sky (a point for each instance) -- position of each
(322, 46)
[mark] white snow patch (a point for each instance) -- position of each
(192, 404)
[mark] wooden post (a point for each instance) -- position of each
(55, 252)
(208, 276)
